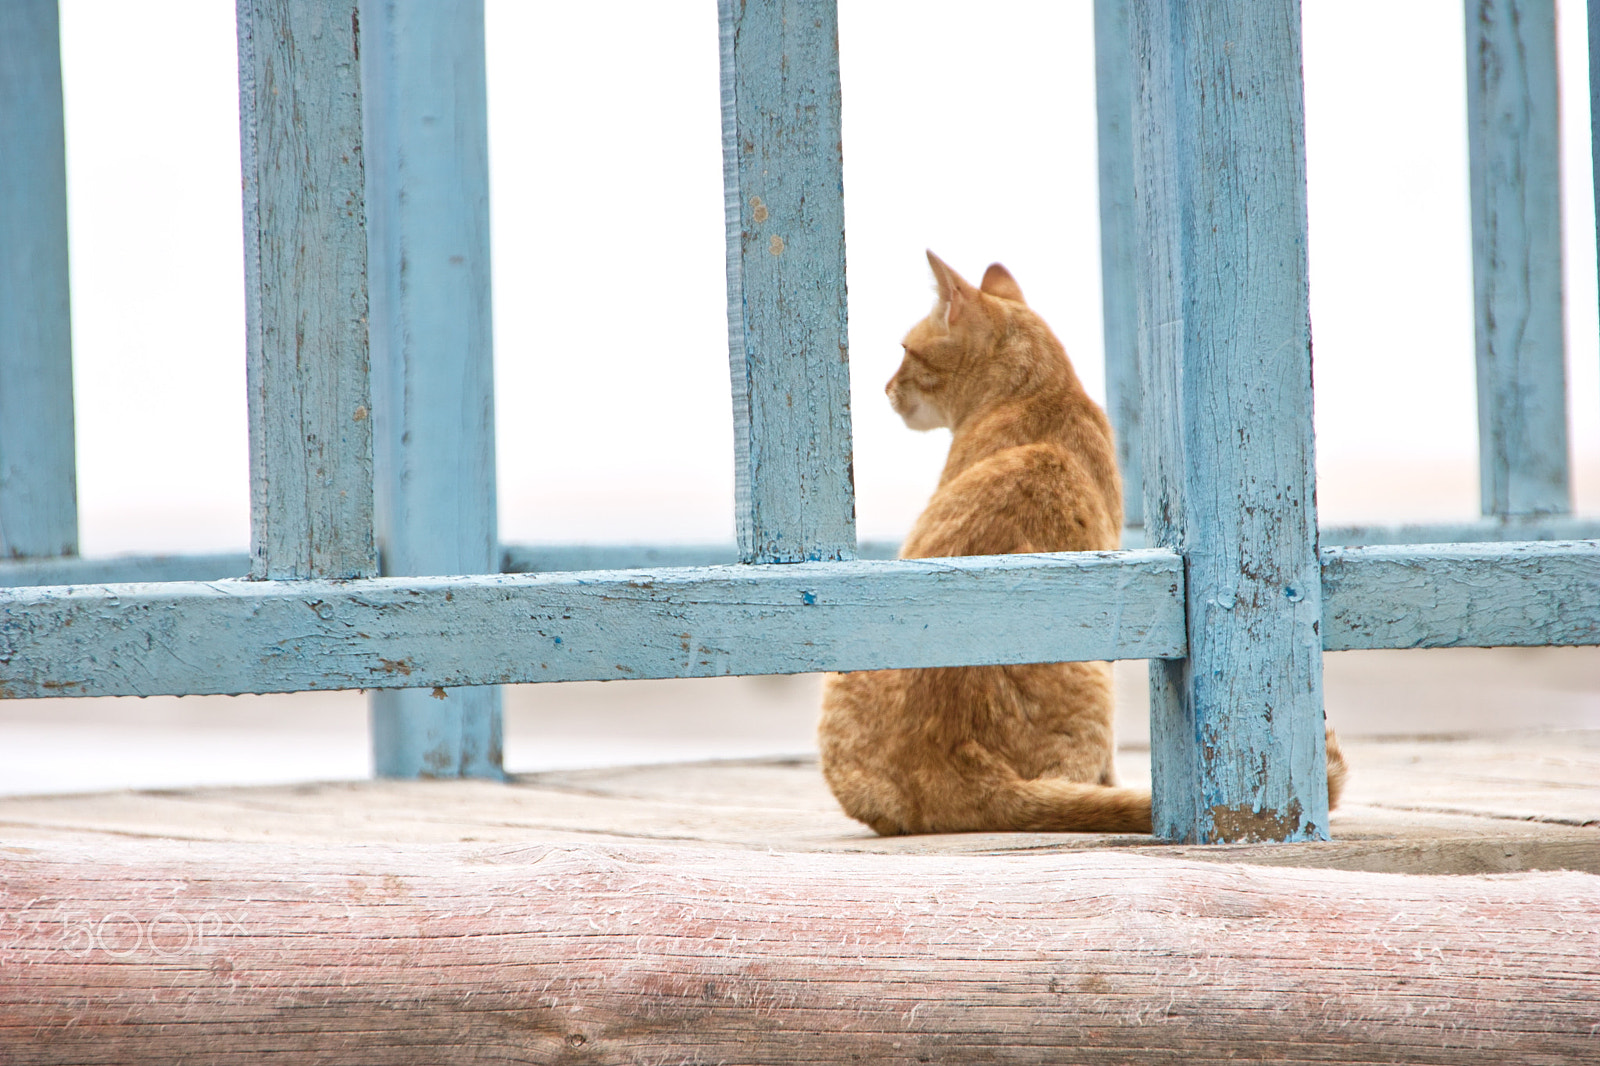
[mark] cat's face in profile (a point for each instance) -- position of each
(949, 352)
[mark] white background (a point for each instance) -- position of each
(970, 135)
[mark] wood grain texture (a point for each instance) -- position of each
(116, 569)
(425, 112)
(1113, 95)
(231, 636)
(243, 636)
(542, 558)
(1514, 153)
(1461, 595)
(38, 472)
(547, 558)
(1502, 528)
(305, 289)
(1594, 109)
(160, 952)
(1499, 804)
(788, 347)
(1225, 348)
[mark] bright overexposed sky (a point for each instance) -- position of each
(970, 135)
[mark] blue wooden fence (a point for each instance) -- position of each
(371, 413)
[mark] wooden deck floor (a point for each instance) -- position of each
(1481, 804)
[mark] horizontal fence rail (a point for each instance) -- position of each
(1461, 595)
(265, 636)
(561, 558)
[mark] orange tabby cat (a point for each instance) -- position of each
(1031, 469)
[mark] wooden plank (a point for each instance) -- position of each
(244, 636)
(1113, 94)
(543, 558)
(136, 952)
(38, 472)
(1237, 728)
(1461, 595)
(1514, 147)
(788, 347)
(305, 289)
(1502, 528)
(121, 569)
(1594, 112)
(513, 559)
(557, 558)
(427, 157)
(1500, 804)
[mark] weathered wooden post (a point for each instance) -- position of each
(38, 477)
(1594, 110)
(427, 163)
(788, 349)
(1219, 133)
(306, 289)
(1515, 166)
(1113, 94)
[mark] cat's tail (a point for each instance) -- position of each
(1337, 770)
(1056, 805)
(1053, 804)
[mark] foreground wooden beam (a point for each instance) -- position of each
(165, 952)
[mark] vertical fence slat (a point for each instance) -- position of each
(38, 477)
(305, 289)
(1237, 728)
(427, 161)
(1515, 166)
(788, 355)
(1594, 113)
(1113, 75)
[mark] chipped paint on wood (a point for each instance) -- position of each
(787, 340)
(38, 476)
(1594, 109)
(1225, 349)
(305, 289)
(244, 636)
(1487, 595)
(424, 108)
(1461, 595)
(1113, 94)
(1514, 155)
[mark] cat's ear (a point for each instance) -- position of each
(997, 281)
(956, 296)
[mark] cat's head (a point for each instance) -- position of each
(954, 357)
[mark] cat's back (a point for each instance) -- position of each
(1058, 493)
(1028, 498)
